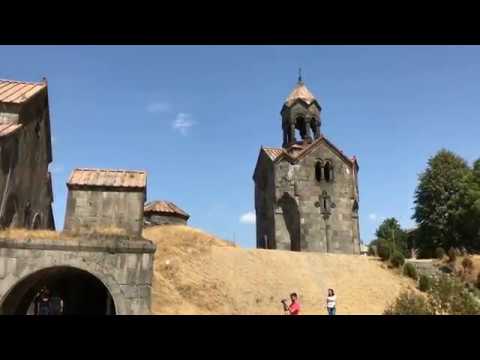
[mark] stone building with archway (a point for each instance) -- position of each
(306, 192)
(25, 154)
(91, 271)
(94, 270)
(93, 276)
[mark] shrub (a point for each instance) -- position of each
(372, 250)
(476, 292)
(409, 303)
(467, 264)
(425, 283)
(410, 271)
(384, 250)
(447, 269)
(439, 253)
(452, 254)
(448, 295)
(397, 259)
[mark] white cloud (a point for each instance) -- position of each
(248, 218)
(372, 216)
(182, 123)
(158, 107)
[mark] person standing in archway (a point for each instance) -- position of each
(56, 305)
(36, 300)
(44, 303)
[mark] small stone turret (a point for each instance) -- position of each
(164, 213)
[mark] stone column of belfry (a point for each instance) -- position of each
(308, 136)
(292, 133)
(317, 129)
(285, 129)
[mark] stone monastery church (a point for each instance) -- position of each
(306, 192)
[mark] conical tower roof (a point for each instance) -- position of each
(300, 92)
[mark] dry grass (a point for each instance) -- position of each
(110, 231)
(196, 273)
(26, 234)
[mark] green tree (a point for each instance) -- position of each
(444, 201)
(390, 231)
(472, 221)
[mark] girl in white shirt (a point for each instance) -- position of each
(331, 302)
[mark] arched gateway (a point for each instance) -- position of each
(82, 292)
(93, 276)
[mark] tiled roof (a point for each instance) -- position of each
(164, 207)
(277, 153)
(17, 92)
(300, 92)
(273, 153)
(309, 147)
(108, 178)
(8, 128)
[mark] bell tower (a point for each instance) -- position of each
(301, 112)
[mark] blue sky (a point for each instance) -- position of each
(195, 117)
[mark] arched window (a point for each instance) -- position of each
(37, 221)
(328, 172)
(300, 126)
(318, 171)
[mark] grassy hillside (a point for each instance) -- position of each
(197, 273)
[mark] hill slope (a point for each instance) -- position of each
(196, 273)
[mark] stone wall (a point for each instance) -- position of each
(424, 266)
(25, 186)
(264, 204)
(90, 209)
(156, 219)
(125, 267)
